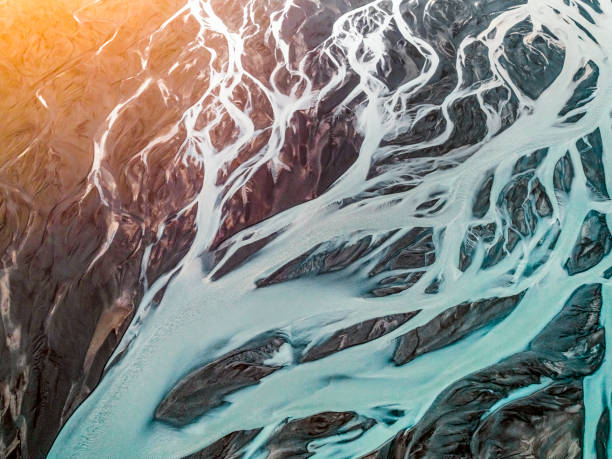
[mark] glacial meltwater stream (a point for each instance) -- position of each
(459, 237)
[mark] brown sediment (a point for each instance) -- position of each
(71, 262)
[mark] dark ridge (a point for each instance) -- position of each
(323, 258)
(575, 118)
(530, 162)
(360, 333)
(553, 417)
(470, 127)
(477, 67)
(396, 284)
(535, 67)
(496, 252)
(413, 250)
(452, 325)
(319, 144)
(402, 63)
(432, 206)
(591, 154)
(585, 89)
(482, 201)
(458, 423)
(563, 175)
(72, 311)
(505, 103)
(229, 447)
(586, 31)
(594, 4)
(293, 438)
(206, 387)
(448, 22)
(434, 287)
(576, 325)
(173, 244)
(426, 128)
(317, 151)
(585, 14)
(536, 258)
(520, 201)
(475, 235)
(593, 244)
(237, 259)
(540, 199)
(603, 434)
